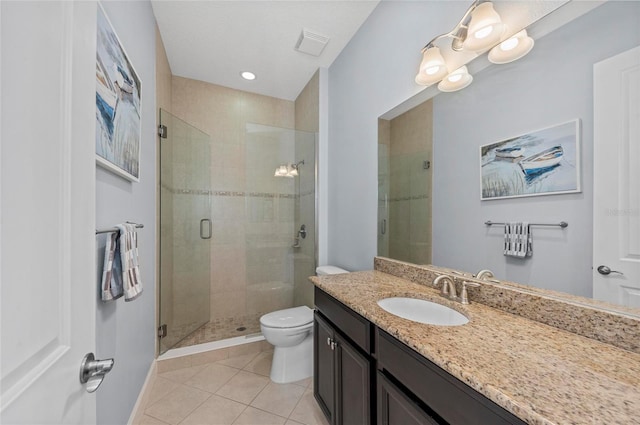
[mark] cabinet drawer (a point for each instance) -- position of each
(450, 398)
(350, 323)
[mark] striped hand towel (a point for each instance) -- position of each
(112, 270)
(518, 241)
(128, 244)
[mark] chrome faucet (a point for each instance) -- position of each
(448, 289)
(484, 275)
(448, 286)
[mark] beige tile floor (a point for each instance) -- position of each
(236, 390)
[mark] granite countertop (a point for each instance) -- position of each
(541, 374)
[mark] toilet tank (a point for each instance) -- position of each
(328, 270)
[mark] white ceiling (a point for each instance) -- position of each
(214, 40)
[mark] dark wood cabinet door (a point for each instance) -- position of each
(353, 389)
(396, 408)
(324, 367)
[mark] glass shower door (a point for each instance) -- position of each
(185, 230)
(280, 231)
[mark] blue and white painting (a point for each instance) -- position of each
(117, 105)
(542, 162)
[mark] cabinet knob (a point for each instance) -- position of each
(329, 341)
(333, 345)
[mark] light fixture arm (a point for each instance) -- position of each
(459, 32)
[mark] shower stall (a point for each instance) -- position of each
(238, 230)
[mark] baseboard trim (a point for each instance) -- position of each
(145, 391)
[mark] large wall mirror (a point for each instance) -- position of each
(430, 209)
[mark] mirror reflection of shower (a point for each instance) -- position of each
(288, 170)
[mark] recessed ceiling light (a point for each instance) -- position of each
(248, 75)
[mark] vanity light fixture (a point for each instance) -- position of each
(457, 80)
(512, 48)
(432, 68)
(480, 29)
(485, 29)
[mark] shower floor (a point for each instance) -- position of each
(219, 329)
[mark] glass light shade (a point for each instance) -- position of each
(432, 68)
(422, 80)
(485, 29)
(512, 48)
(457, 80)
(293, 172)
(281, 171)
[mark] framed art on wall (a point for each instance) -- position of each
(118, 89)
(542, 162)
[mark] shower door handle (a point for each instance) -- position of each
(204, 235)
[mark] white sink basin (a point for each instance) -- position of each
(423, 311)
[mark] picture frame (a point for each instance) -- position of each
(118, 104)
(541, 162)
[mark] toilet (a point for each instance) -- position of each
(290, 331)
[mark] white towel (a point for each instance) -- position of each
(518, 241)
(128, 244)
(112, 270)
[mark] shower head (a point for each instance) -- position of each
(295, 167)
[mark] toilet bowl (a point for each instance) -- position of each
(290, 331)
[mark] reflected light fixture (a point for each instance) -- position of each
(457, 80)
(512, 48)
(480, 29)
(282, 171)
(288, 170)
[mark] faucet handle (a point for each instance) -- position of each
(464, 297)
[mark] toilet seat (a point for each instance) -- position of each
(288, 318)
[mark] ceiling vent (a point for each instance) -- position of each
(311, 43)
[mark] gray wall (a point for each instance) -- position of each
(125, 330)
(375, 73)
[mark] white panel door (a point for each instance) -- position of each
(616, 232)
(47, 194)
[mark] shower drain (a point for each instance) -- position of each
(241, 328)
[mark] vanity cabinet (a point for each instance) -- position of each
(363, 375)
(342, 363)
(446, 400)
(395, 407)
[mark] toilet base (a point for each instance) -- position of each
(291, 364)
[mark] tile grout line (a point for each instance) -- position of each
(195, 408)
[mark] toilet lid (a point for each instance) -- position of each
(288, 318)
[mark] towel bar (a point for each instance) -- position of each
(115, 229)
(562, 224)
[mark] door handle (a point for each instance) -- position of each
(92, 371)
(604, 270)
(210, 227)
(383, 229)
